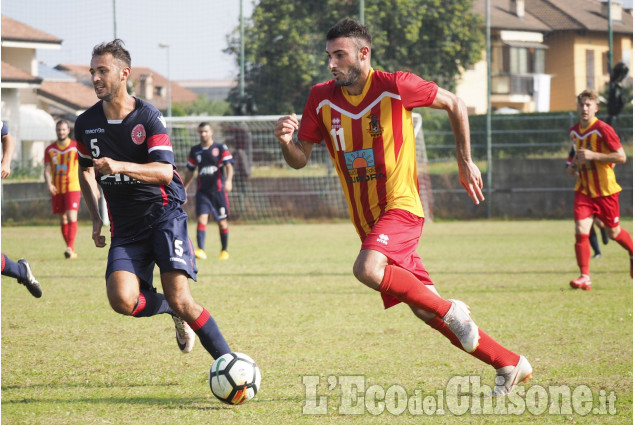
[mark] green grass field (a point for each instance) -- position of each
(288, 299)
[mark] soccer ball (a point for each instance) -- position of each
(234, 378)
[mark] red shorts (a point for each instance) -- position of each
(396, 235)
(67, 201)
(606, 208)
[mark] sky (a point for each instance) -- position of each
(196, 31)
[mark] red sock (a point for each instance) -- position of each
(583, 253)
(404, 286)
(65, 227)
(72, 233)
(624, 239)
(488, 351)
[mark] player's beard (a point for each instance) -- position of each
(110, 90)
(351, 76)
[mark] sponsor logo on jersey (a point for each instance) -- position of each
(208, 170)
(138, 134)
(94, 131)
(336, 123)
(383, 239)
(361, 166)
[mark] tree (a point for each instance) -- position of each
(285, 41)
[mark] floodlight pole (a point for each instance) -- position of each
(114, 17)
(610, 38)
(488, 119)
(241, 85)
(361, 12)
(167, 47)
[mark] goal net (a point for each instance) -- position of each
(265, 188)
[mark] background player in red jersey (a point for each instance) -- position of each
(125, 140)
(60, 174)
(598, 149)
(365, 119)
(21, 269)
(215, 178)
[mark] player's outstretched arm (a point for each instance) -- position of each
(296, 154)
(469, 174)
(90, 192)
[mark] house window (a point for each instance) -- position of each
(590, 69)
(517, 60)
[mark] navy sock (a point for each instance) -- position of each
(12, 268)
(200, 238)
(593, 240)
(151, 304)
(209, 334)
(224, 236)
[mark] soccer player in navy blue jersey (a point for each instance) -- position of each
(215, 174)
(125, 141)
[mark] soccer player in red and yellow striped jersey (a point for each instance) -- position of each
(597, 150)
(60, 173)
(364, 117)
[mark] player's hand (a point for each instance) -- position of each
(471, 180)
(6, 170)
(285, 127)
(106, 165)
(572, 170)
(228, 186)
(584, 155)
(52, 190)
(100, 241)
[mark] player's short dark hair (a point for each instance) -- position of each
(204, 124)
(116, 49)
(60, 122)
(350, 28)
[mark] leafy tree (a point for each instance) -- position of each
(285, 41)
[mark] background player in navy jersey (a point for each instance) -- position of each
(21, 269)
(211, 159)
(125, 140)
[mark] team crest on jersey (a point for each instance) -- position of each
(215, 152)
(138, 134)
(374, 128)
(336, 123)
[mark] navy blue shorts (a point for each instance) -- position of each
(215, 203)
(165, 244)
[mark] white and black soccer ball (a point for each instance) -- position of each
(234, 378)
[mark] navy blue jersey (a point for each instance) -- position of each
(210, 160)
(141, 137)
(5, 130)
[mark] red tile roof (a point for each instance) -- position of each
(13, 74)
(13, 30)
(72, 94)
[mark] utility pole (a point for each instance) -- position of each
(488, 119)
(361, 12)
(114, 17)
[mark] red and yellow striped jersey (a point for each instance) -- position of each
(596, 178)
(64, 166)
(370, 138)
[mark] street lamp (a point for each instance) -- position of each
(167, 47)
